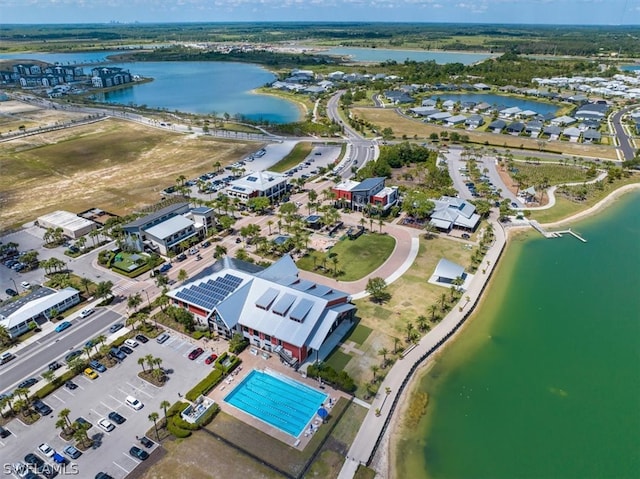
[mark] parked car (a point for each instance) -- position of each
(72, 452)
(70, 385)
(97, 366)
(42, 408)
(26, 285)
(72, 355)
(27, 383)
(106, 425)
(466, 236)
(133, 403)
(54, 365)
(115, 417)
(86, 312)
(62, 326)
(103, 475)
(20, 469)
(34, 460)
(11, 292)
(146, 442)
(115, 327)
(142, 338)
(117, 354)
(4, 432)
(132, 343)
(211, 358)
(46, 449)
(195, 353)
(206, 244)
(126, 349)
(181, 257)
(90, 373)
(136, 452)
(162, 338)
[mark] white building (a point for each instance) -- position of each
(72, 225)
(269, 184)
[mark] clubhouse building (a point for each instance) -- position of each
(271, 307)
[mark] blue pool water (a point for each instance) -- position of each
(277, 400)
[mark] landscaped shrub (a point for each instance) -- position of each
(182, 424)
(219, 364)
(177, 408)
(49, 388)
(201, 334)
(177, 431)
(238, 343)
(341, 379)
(208, 416)
(206, 385)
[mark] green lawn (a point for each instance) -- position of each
(338, 360)
(360, 334)
(555, 174)
(297, 155)
(356, 258)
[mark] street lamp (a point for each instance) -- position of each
(14, 284)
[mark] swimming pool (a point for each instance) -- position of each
(277, 400)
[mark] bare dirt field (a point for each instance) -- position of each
(389, 118)
(114, 165)
(14, 114)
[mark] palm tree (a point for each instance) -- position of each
(80, 433)
(141, 363)
(154, 417)
(5, 337)
(64, 415)
(157, 362)
(374, 369)
(165, 405)
(20, 406)
(220, 251)
(85, 283)
(409, 329)
(443, 301)
(383, 352)
(22, 392)
(4, 402)
(149, 359)
(61, 424)
(87, 349)
(49, 376)
(134, 301)
(422, 323)
(183, 276)
(433, 308)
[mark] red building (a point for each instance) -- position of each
(370, 192)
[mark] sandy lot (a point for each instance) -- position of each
(114, 165)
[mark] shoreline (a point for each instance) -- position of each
(302, 108)
(386, 457)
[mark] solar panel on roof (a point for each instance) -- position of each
(283, 304)
(301, 309)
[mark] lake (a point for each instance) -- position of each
(500, 100)
(193, 87)
(544, 381)
(381, 55)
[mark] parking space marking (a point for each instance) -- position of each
(140, 390)
(121, 467)
(59, 399)
(116, 400)
(130, 457)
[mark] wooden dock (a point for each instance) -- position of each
(554, 234)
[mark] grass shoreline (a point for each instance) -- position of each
(398, 431)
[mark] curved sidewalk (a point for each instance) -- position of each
(398, 377)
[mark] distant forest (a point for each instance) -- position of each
(521, 39)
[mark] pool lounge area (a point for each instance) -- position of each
(277, 400)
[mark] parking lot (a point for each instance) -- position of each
(95, 399)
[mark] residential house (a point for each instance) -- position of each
(552, 131)
(455, 120)
(533, 128)
(571, 133)
(511, 112)
(439, 116)
(497, 126)
(423, 110)
(591, 136)
(481, 86)
(515, 128)
(474, 121)
(563, 121)
(106, 77)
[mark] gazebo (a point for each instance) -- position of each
(447, 272)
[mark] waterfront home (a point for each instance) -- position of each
(497, 126)
(511, 112)
(474, 121)
(592, 111)
(482, 107)
(563, 121)
(105, 77)
(481, 86)
(439, 117)
(429, 102)
(336, 76)
(398, 96)
(449, 104)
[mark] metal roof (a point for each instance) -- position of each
(448, 269)
(169, 227)
(156, 214)
(36, 307)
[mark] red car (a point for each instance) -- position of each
(195, 353)
(211, 359)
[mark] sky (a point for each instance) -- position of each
(577, 12)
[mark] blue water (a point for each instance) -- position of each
(192, 87)
(630, 68)
(280, 402)
(381, 55)
(499, 100)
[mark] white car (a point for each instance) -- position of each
(26, 285)
(86, 312)
(132, 343)
(133, 402)
(106, 425)
(46, 449)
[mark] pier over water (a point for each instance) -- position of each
(554, 234)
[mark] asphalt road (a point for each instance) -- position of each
(624, 141)
(33, 359)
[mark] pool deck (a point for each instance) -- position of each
(251, 362)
